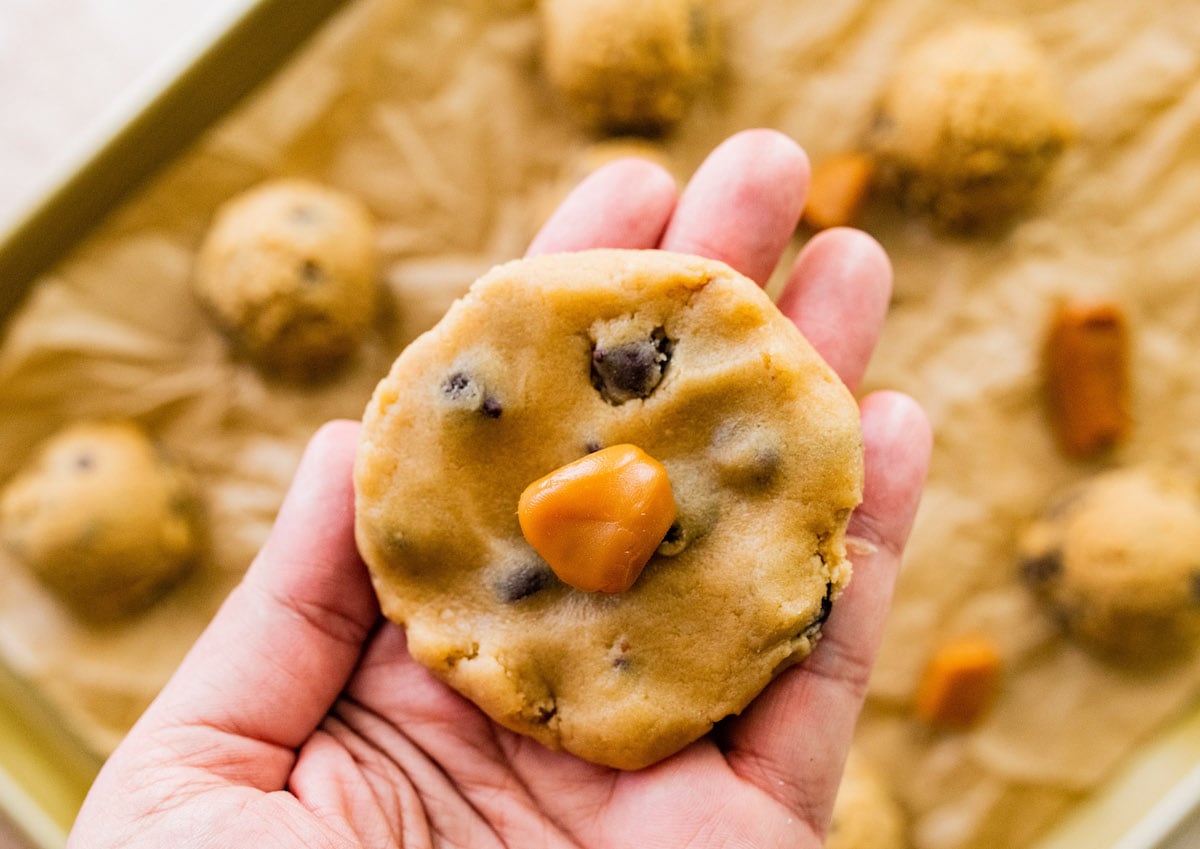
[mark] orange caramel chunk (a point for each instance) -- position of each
(1087, 381)
(598, 520)
(838, 189)
(959, 684)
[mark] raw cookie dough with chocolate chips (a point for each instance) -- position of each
(628, 66)
(969, 125)
(1117, 559)
(647, 358)
(104, 519)
(288, 269)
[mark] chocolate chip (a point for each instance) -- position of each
(826, 604)
(747, 456)
(465, 392)
(674, 541)
(522, 582)
(456, 385)
(761, 467)
(618, 654)
(813, 629)
(630, 370)
(311, 272)
(1043, 567)
(491, 407)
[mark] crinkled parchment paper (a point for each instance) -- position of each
(435, 114)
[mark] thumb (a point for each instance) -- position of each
(283, 645)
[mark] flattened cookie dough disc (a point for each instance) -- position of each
(544, 361)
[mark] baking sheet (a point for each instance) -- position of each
(455, 185)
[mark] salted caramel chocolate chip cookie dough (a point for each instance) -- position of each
(103, 518)
(627, 66)
(288, 270)
(607, 498)
(1115, 561)
(969, 124)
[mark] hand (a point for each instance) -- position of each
(299, 719)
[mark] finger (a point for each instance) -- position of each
(284, 643)
(743, 203)
(793, 738)
(838, 294)
(624, 204)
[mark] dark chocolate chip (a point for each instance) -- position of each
(813, 629)
(1042, 568)
(761, 469)
(464, 391)
(522, 582)
(619, 654)
(491, 407)
(456, 385)
(747, 456)
(675, 540)
(826, 604)
(311, 272)
(631, 369)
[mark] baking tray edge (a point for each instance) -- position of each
(45, 770)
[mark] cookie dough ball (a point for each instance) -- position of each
(103, 518)
(628, 65)
(289, 271)
(865, 814)
(969, 125)
(1117, 559)
(545, 363)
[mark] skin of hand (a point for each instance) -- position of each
(299, 719)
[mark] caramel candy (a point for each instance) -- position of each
(598, 520)
(959, 683)
(1087, 379)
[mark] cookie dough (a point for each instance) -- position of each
(288, 269)
(628, 65)
(1117, 560)
(969, 124)
(103, 518)
(865, 814)
(544, 362)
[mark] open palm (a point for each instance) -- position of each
(299, 719)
